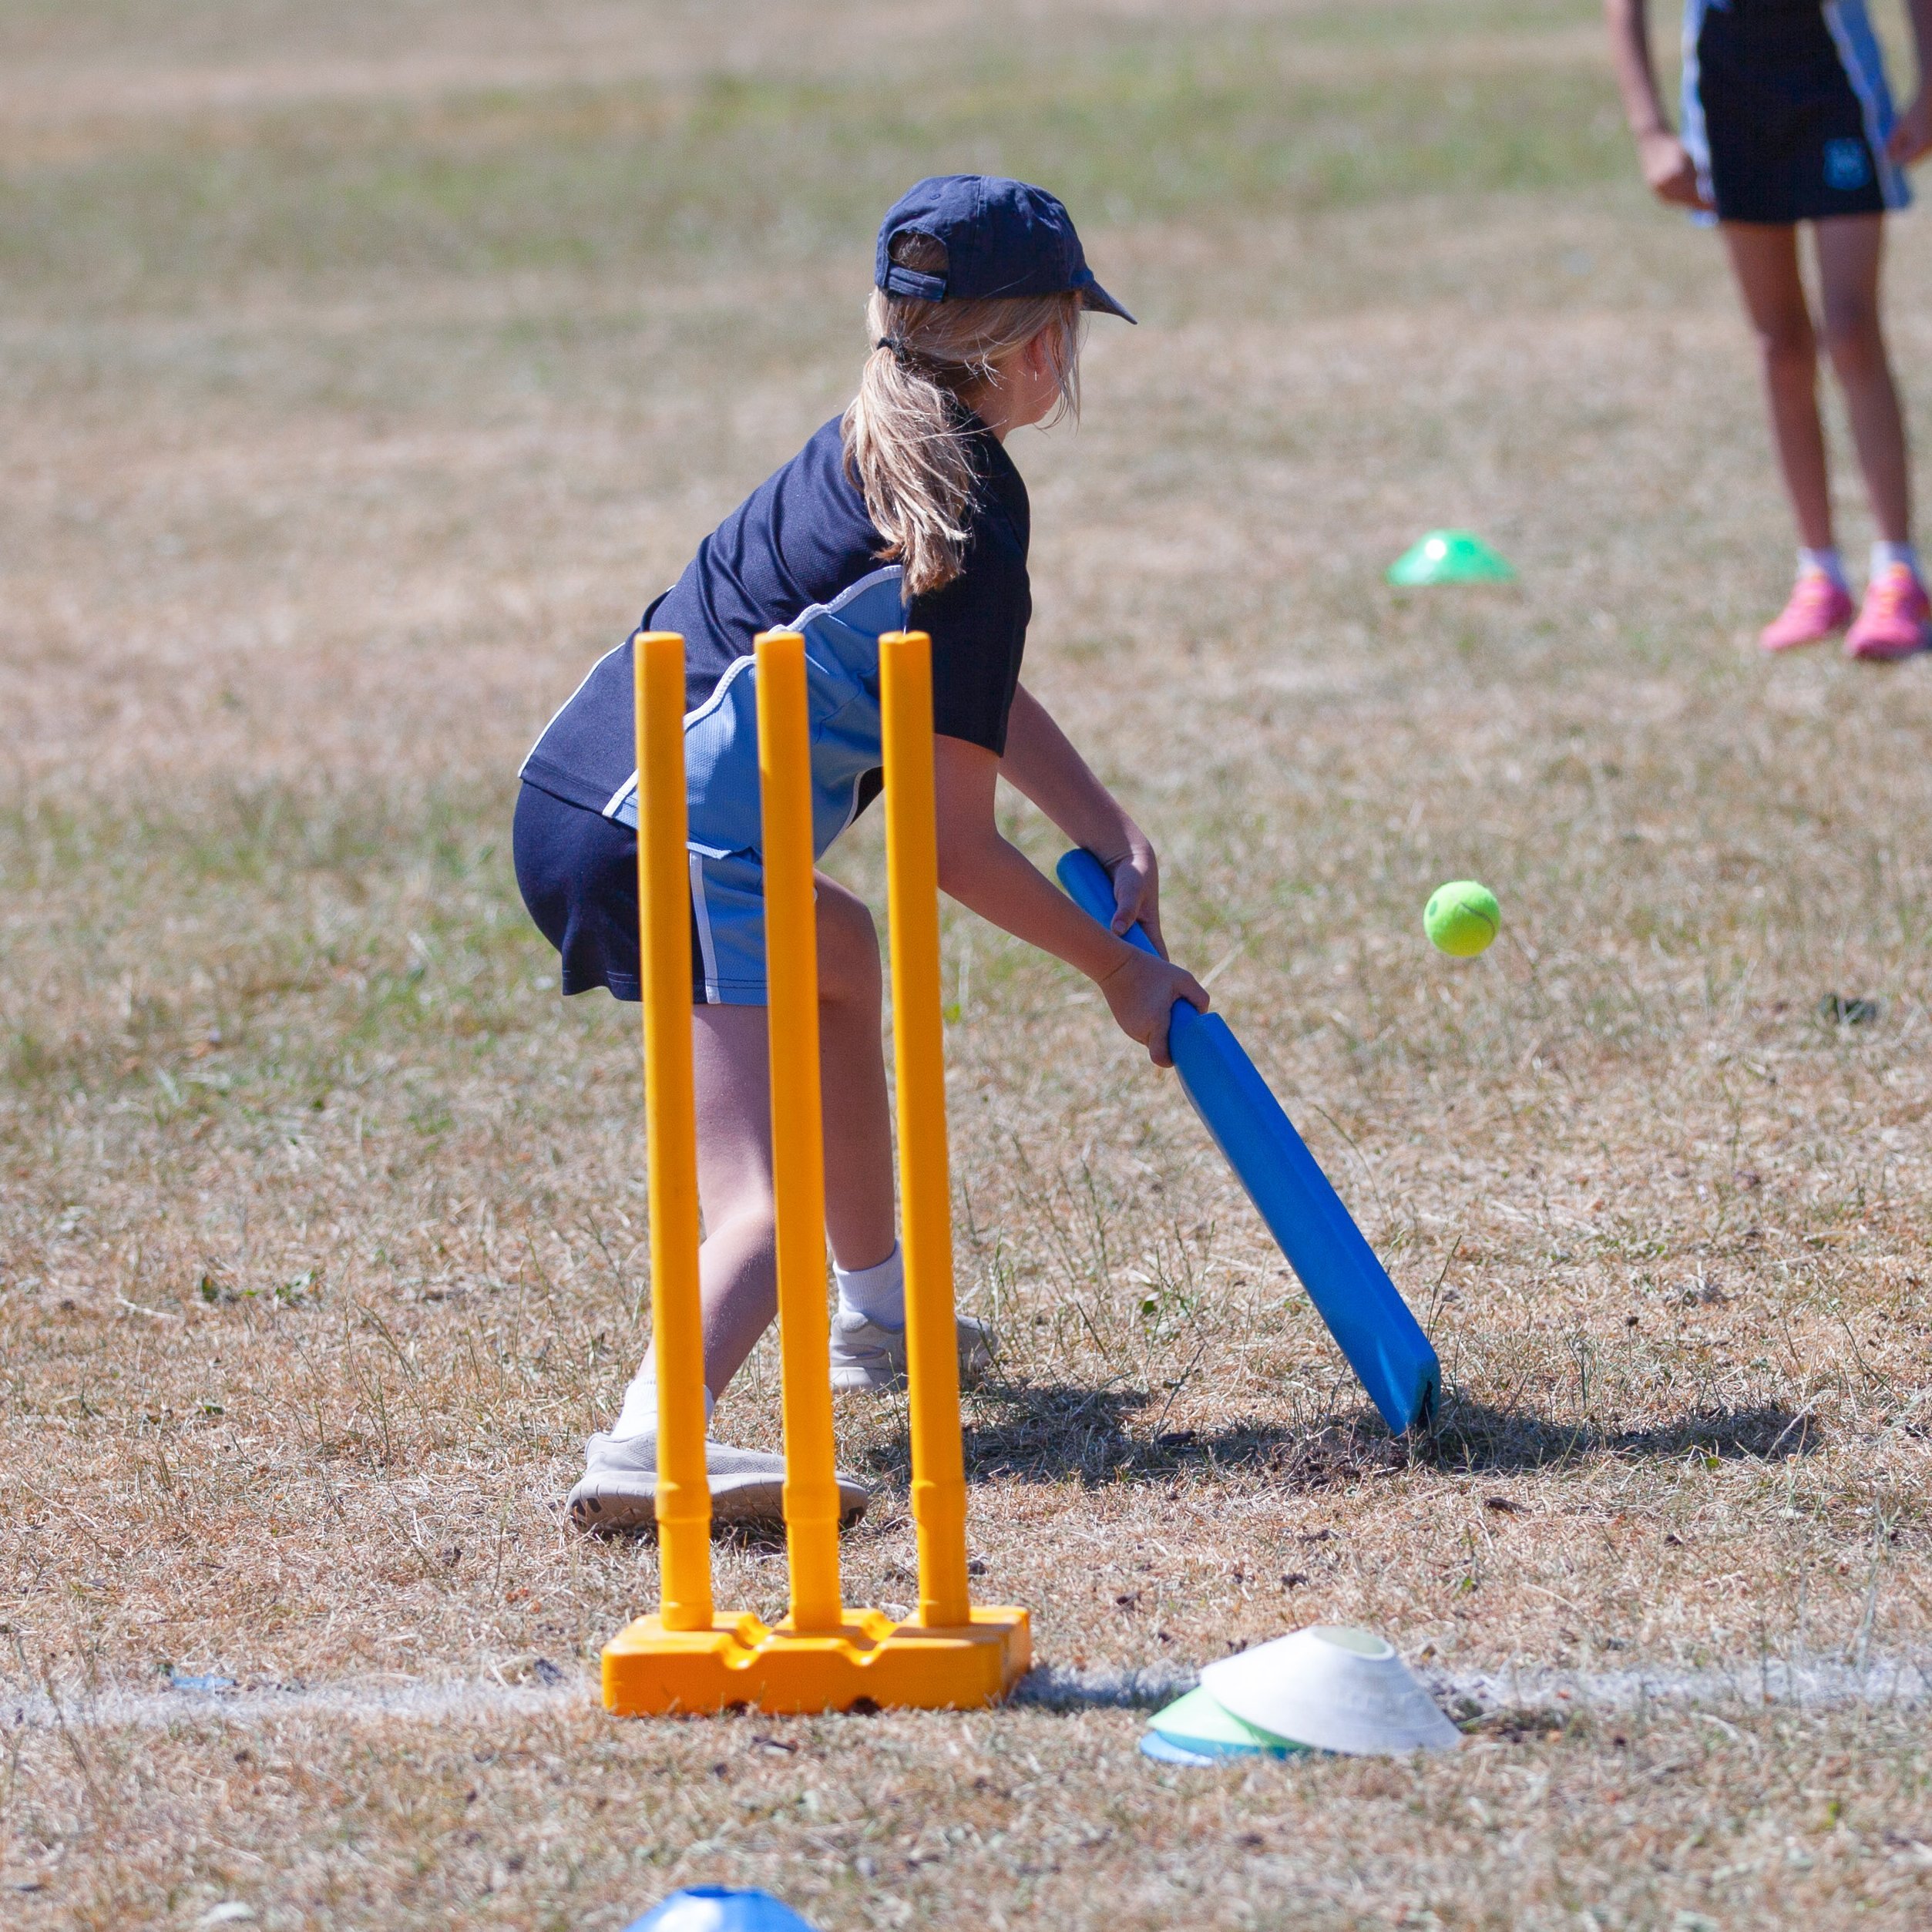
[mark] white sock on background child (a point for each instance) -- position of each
(875, 1294)
(1827, 563)
(639, 1415)
(1884, 555)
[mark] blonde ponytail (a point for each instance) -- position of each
(905, 445)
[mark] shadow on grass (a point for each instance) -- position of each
(1057, 1432)
(1473, 1436)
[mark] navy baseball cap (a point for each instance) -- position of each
(1002, 238)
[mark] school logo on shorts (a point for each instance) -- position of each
(1847, 165)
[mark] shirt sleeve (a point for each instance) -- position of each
(978, 625)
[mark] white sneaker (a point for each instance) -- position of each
(619, 1488)
(867, 1355)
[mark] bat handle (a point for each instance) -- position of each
(1090, 888)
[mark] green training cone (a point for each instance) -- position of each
(1198, 1724)
(1450, 556)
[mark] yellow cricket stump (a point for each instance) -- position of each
(677, 1320)
(823, 1656)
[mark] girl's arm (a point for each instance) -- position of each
(1041, 764)
(1667, 168)
(981, 871)
(1912, 136)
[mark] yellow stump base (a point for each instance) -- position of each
(651, 1671)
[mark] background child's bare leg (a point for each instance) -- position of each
(1849, 250)
(737, 1262)
(1765, 260)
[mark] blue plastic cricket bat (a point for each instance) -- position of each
(1350, 1288)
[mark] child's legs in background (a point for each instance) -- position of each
(1764, 258)
(731, 1065)
(1850, 248)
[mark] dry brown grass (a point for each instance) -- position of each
(1023, 1820)
(321, 1238)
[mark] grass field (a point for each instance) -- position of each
(366, 370)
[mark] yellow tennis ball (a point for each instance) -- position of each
(1461, 918)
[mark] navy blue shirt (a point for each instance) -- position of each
(798, 540)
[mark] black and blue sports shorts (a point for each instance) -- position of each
(577, 871)
(1786, 111)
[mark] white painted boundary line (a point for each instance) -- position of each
(1888, 1683)
(456, 1701)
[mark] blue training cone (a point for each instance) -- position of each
(720, 1908)
(1163, 1750)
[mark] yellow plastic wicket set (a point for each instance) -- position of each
(823, 1655)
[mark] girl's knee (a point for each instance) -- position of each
(849, 960)
(747, 1227)
(1854, 339)
(1787, 344)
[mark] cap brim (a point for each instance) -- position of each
(1092, 296)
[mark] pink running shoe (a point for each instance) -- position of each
(1818, 608)
(1894, 621)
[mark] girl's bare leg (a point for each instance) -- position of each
(859, 1132)
(738, 1268)
(737, 1262)
(1765, 260)
(1850, 248)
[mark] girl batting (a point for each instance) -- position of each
(905, 513)
(1786, 119)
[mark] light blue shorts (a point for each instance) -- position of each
(728, 911)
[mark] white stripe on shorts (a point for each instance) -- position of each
(1858, 54)
(702, 913)
(1696, 139)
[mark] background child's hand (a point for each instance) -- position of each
(1912, 136)
(1668, 171)
(1141, 992)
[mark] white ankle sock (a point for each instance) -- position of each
(1885, 555)
(639, 1415)
(877, 1293)
(1829, 561)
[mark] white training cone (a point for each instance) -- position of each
(1336, 1688)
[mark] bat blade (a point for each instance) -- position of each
(1351, 1290)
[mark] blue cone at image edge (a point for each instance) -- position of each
(720, 1908)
